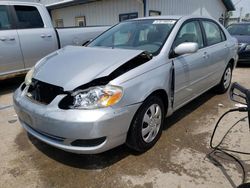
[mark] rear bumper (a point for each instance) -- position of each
(94, 131)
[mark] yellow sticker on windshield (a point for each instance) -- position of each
(164, 22)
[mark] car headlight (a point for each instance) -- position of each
(247, 48)
(28, 77)
(97, 97)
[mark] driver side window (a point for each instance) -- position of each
(190, 32)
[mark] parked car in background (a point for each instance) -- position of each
(27, 35)
(121, 86)
(241, 32)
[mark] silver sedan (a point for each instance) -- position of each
(120, 87)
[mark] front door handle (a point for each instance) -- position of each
(46, 36)
(205, 55)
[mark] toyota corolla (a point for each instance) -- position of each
(120, 87)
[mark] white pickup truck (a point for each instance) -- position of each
(27, 35)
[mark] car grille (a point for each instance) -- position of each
(43, 92)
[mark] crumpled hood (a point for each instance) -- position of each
(73, 66)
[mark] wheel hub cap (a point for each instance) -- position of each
(151, 123)
(227, 77)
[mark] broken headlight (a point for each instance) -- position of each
(96, 97)
(28, 77)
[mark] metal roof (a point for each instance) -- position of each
(65, 3)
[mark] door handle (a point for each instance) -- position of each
(205, 55)
(46, 36)
(3, 38)
(12, 39)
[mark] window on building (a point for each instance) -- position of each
(28, 17)
(128, 16)
(59, 23)
(4, 18)
(190, 32)
(80, 21)
(213, 33)
(154, 13)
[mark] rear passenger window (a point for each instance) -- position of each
(28, 17)
(4, 18)
(214, 34)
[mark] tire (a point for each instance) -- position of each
(226, 79)
(147, 124)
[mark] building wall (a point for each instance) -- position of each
(98, 13)
(106, 12)
(213, 8)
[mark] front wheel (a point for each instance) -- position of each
(146, 127)
(223, 86)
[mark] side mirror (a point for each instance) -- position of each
(239, 94)
(186, 48)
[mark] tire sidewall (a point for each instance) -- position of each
(137, 124)
(222, 81)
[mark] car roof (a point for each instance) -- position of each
(174, 17)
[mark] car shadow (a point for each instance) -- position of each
(243, 64)
(188, 109)
(106, 159)
(9, 85)
(83, 161)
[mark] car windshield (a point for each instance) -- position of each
(239, 29)
(146, 35)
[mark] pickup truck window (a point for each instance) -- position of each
(28, 17)
(146, 35)
(4, 18)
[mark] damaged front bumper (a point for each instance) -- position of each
(77, 131)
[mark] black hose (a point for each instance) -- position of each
(217, 148)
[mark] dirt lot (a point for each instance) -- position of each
(177, 160)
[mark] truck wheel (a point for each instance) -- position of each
(223, 86)
(146, 127)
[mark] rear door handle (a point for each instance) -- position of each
(42, 35)
(49, 36)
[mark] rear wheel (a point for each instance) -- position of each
(226, 80)
(146, 127)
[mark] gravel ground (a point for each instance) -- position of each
(177, 160)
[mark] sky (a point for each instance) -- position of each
(245, 4)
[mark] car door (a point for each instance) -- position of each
(37, 40)
(11, 58)
(217, 50)
(189, 68)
